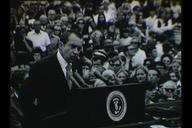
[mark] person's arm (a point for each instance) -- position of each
(28, 44)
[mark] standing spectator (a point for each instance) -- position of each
(101, 23)
(112, 31)
(44, 21)
(136, 54)
(21, 47)
(51, 16)
(39, 38)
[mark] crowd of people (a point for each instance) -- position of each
(132, 41)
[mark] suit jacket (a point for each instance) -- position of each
(45, 91)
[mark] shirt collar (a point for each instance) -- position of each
(36, 33)
(63, 63)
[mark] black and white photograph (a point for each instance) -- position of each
(95, 64)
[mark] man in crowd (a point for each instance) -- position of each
(38, 38)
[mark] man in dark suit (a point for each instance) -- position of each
(44, 95)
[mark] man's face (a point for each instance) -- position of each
(173, 77)
(175, 67)
(153, 76)
(141, 75)
(166, 61)
(97, 65)
(154, 53)
(51, 15)
(115, 65)
(122, 77)
(37, 26)
(112, 28)
(36, 56)
(86, 71)
(132, 49)
(71, 50)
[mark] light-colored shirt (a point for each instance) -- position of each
(162, 28)
(40, 40)
(150, 21)
(138, 58)
(62, 62)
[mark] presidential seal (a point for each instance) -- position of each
(116, 105)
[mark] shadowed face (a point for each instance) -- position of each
(37, 26)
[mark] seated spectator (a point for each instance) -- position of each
(163, 70)
(112, 31)
(176, 78)
(169, 89)
(153, 92)
(80, 26)
(97, 38)
(86, 69)
(123, 77)
(149, 63)
(36, 55)
(108, 45)
(167, 60)
(98, 60)
(115, 63)
(176, 67)
(140, 74)
(110, 76)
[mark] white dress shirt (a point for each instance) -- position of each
(62, 62)
(40, 40)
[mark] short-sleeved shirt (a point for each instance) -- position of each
(40, 40)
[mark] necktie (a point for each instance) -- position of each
(68, 75)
